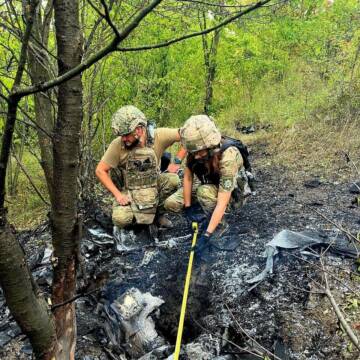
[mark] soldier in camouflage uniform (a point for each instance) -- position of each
(136, 156)
(217, 165)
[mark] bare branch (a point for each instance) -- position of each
(215, 4)
(337, 310)
(13, 102)
(24, 46)
(46, 22)
(22, 167)
(13, 56)
(347, 232)
(108, 19)
(92, 33)
(260, 356)
(267, 352)
(35, 124)
(349, 159)
(4, 97)
(54, 307)
(331, 274)
(198, 33)
(96, 9)
(93, 59)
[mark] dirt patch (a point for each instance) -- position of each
(283, 313)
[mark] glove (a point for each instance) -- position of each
(194, 215)
(202, 244)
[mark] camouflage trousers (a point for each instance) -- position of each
(168, 183)
(205, 195)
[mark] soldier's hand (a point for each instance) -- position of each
(202, 245)
(123, 199)
(194, 215)
(173, 168)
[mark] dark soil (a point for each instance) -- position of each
(284, 313)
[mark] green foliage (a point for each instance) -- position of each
(289, 63)
(278, 67)
(25, 208)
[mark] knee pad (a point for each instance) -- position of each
(122, 217)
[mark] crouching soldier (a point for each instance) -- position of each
(135, 154)
(218, 165)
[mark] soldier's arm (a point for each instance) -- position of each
(188, 179)
(167, 137)
(223, 200)
(229, 167)
(174, 167)
(103, 174)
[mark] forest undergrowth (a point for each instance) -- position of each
(315, 149)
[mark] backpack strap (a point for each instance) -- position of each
(228, 141)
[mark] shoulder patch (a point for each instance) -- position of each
(227, 185)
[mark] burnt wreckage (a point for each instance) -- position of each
(243, 303)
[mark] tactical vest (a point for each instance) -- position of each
(207, 175)
(141, 180)
(203, 170)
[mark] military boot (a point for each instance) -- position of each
(163, 222)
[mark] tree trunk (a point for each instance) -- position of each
(210, 71)
(39, 67)
(66, 163)
(21, 293)
(210, 44)
(23, 297)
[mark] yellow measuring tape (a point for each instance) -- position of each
(186, 292)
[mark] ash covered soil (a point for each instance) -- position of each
(227, 318)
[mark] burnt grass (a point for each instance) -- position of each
(283, 313)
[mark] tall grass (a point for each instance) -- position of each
(25, 208)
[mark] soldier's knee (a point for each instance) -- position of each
(122, 216)
(206, 192)
(206, 196)
(200, 192)
(175, 181)
(173, 204)
(172, 181)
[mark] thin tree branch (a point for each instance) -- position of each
(34, 124)
(14, 14)
(96, 9)
(54, 307)
(214, 4)
(348, 233)
(267, 352)
(12, 31)
(108, 19)
(331, 274)
(260, 356)
(198, 33)
(22, 167)
(13, 102)
(24, 46)
(4, 97)
(338, 312)
(47, 20)
(304, 290)
(93, 59)
(349, 159)
(93, 31)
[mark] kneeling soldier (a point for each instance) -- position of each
(218, 165)
(136, 154)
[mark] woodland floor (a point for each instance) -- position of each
(283, 313)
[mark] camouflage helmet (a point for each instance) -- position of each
(198, 133)
(126, 119)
